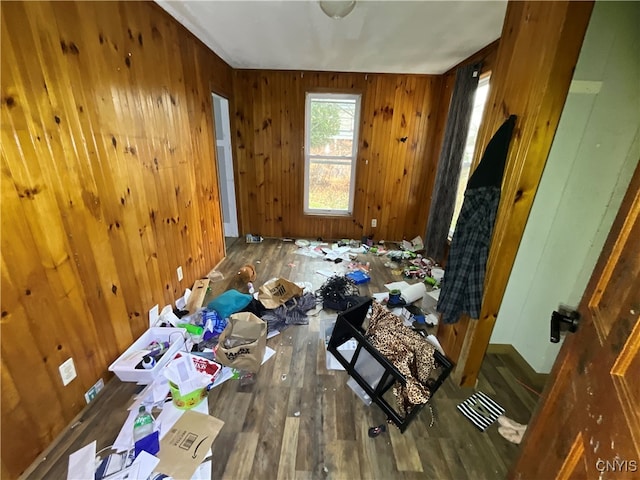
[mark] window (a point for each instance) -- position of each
(467, 157)
(331, 147)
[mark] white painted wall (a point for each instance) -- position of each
(594, 154)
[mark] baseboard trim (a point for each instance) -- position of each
(537, 380)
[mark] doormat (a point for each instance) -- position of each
(480, 410)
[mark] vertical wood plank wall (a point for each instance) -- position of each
(538, 51)
(394, 179)
(108, 185)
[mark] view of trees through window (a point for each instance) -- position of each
(332, 123)
(467, 157)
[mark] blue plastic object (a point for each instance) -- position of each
(358, 277)
(229, 302)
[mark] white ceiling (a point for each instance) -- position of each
(377, 36)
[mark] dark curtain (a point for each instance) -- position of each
(443, 197)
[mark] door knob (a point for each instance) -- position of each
(564, 319)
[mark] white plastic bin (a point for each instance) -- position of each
(125, 366)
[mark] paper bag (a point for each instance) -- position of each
(277, 291)
(243, 342)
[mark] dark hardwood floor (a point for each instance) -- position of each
(300, 420)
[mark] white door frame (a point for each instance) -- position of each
(224, 156)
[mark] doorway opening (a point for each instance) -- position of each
(224, 157)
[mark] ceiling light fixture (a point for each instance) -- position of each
(337, 9)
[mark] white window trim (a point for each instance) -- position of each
(353, 157)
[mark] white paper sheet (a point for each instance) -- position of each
(203, 472)
(434, 294)
(432, 319)
(432, 339)
(181, 303)
(82, 463)
(326, 273)
(272, 334)
(154, 315)
(347, 349)
(124, 441)
(397, 285)
(381, 297)
(170, 415)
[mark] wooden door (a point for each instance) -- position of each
(588, 422)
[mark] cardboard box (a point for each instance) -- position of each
(125, 366)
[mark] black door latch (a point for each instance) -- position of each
(565, 317)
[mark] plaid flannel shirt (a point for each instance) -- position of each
(463, 282)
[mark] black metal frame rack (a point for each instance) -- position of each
(349, 326)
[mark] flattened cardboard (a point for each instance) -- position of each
(185, 446)
(197, 294)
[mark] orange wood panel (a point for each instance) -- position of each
(108, 185)
(270, 101)
(538, 51)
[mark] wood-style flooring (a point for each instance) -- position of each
(301, 421)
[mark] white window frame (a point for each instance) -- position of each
(308, 157)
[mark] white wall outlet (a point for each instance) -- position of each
(179, 273)
(67, 372)
(374, 222)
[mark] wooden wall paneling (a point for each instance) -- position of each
(422, 161)
(284, 134)
(366, 157)
(296, 148)
(108, 184)
(362, 222)
(377, 181)
(261, 153)
(410, 173)
(395, 160)
(376, 186)
(277, 162)
(198, 110)
(269, 92)
(379, 132)
(243, 137)
(126, 147)
(153, 242)
(410, 166)
(16, 418)
(28, 306)
(55, 149)
(431, 148)
(384, 115)
(538, 51)
(256, 204)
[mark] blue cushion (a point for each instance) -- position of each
(229, 302)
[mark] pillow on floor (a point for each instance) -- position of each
(229, 302)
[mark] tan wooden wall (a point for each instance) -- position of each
(108, 184)
(394, 179)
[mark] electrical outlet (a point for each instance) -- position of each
(67, 372)
(374, 222)
(179, 272)
(93, 391)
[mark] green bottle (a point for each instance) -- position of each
(143, 425)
